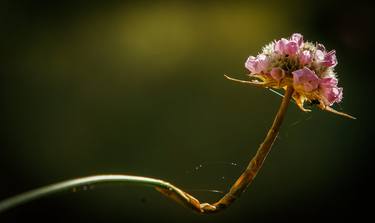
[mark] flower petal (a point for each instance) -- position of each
(329, 91)
(281, 45)
(330, 59)
(305, 80)
(298, 38)
(257, 64)
(277, 73)
(291, 48)
(319, 56)
(305, 57)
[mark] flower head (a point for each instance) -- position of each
(307, 67)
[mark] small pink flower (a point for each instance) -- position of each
(289, 47)
(330, 59)
(251, 64)
(262, 62)
(305, 57)
(285, 46)
(319, 56)
(329, 91)
(298, 38)
(327, 59)
(277, 73)
(305, 79)
(257, 64)
(280, 45)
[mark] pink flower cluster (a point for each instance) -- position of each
(308, 67)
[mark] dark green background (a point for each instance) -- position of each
(137, 88)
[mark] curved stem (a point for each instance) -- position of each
(166, 188)
(81, 182)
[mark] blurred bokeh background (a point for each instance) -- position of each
(96, 87)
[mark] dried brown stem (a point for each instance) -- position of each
(246, 177)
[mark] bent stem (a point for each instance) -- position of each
(82, 182)
(164, 187)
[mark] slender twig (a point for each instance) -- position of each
(330, 109)
(251, 82)
(166, 188)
